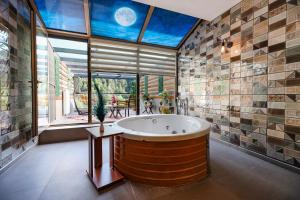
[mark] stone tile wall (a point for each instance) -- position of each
(15, 77)
(251, 92)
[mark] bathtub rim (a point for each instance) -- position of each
(144, 136)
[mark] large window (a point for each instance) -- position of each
(119, 91)
(64, 80)
(157, 86)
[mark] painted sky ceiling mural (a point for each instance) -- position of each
(117, 19)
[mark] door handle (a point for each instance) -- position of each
(38, 82)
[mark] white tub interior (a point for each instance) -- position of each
(161, 124)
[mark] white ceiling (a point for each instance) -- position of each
(203, 9)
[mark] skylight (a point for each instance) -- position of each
(167, 28)
(117, 19)
(66, 15)
(120, 19)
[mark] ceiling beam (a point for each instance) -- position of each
(87, 16)
(67, 35)
(189, 33)
(68, 50)
(146, 22)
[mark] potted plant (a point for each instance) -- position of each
(165, 97)
(146, 97)
(99, 108)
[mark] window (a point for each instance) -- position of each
(121, 19)
(131, 58)
(64, 15)
(42, 74)
(119, 92)
(68, 76)
(167, 28)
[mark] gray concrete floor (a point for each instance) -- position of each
(57, 171)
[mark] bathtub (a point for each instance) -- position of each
(163, 150)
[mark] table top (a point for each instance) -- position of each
(115, 106)
(109, 130)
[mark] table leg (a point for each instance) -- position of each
(118, 113)
(112, 110)
(98, 152)
(91, 167)
(115, 110)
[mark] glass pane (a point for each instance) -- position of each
(121, 19)
(64, 15)
(119, 91)
(167, 28)
(42, 74)
(157, 94)
(68, 77)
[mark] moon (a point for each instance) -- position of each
(125, 16)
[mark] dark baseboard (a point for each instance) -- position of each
(63, 135)
(263, 157)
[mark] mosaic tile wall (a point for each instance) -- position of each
(251, 93)
(15, 77)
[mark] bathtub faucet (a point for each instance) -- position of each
(182, 104)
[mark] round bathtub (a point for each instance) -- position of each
(163, 150)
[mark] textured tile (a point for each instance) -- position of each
(262, 94)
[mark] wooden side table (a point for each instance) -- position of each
(102, 174)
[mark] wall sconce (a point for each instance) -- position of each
(226, 44)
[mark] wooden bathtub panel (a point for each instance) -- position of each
(162, 151)
(154, 159)
(162, 163)
(162, 174)
(167, 145)
(164, 167)
(174, 181)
